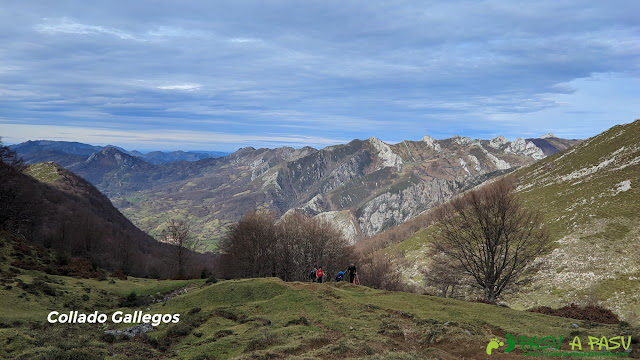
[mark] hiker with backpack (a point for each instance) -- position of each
(352, 273)
(312, 274)
(339, 276)
(319, 274)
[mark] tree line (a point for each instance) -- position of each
(260, 246)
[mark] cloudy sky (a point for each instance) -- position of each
(219, 75)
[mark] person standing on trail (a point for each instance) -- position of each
(352, 273)
(312, 274)
(319, 274)
(339, 276)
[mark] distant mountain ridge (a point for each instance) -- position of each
(68, 153)
(364, 186)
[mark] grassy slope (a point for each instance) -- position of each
(596, 226)
(593, 217)
(44, 172)
(266, 318)
(346, 320)
(255, 318)
(26, 303)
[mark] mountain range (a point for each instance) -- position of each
(68, 153)
(587, 192)
(364, 186)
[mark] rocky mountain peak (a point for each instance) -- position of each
(462, 140)
(112, 155)
(388, 157)
(432, 143)
(498, 141)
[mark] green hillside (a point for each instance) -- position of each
(253, 318)
(591, 203)
(270, 319)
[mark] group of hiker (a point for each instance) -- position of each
(318, 275)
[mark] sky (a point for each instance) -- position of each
(220, 75)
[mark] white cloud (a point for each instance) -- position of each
(244, 40)
(172, 31)
(68, 26)
(165, 139)
(181, 87)
(394, 71)
(9, 68)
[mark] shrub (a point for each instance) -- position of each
(179, 329)
(118, 274)
(205, 273)
(223, 333)
(302, 321)
(194, 310)
(70, 354)
(61, 258)
(146, 339)
(263, 343)
(36, 287)
(108, 338)
(226, 314)
(130, 300)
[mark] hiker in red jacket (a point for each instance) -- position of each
(319, 274)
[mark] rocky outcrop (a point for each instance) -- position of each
(462, 140)
(315, 206)
(526, 148)
(350, 169)
(498, 141)
(390, 209)
(344, 221)
(498, 163)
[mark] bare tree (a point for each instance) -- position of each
(445, 274)
(248, 247)
(256, 247)
(293, 248)
(493, 238)
(377, 270)
(178, 233)
(327, 246)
